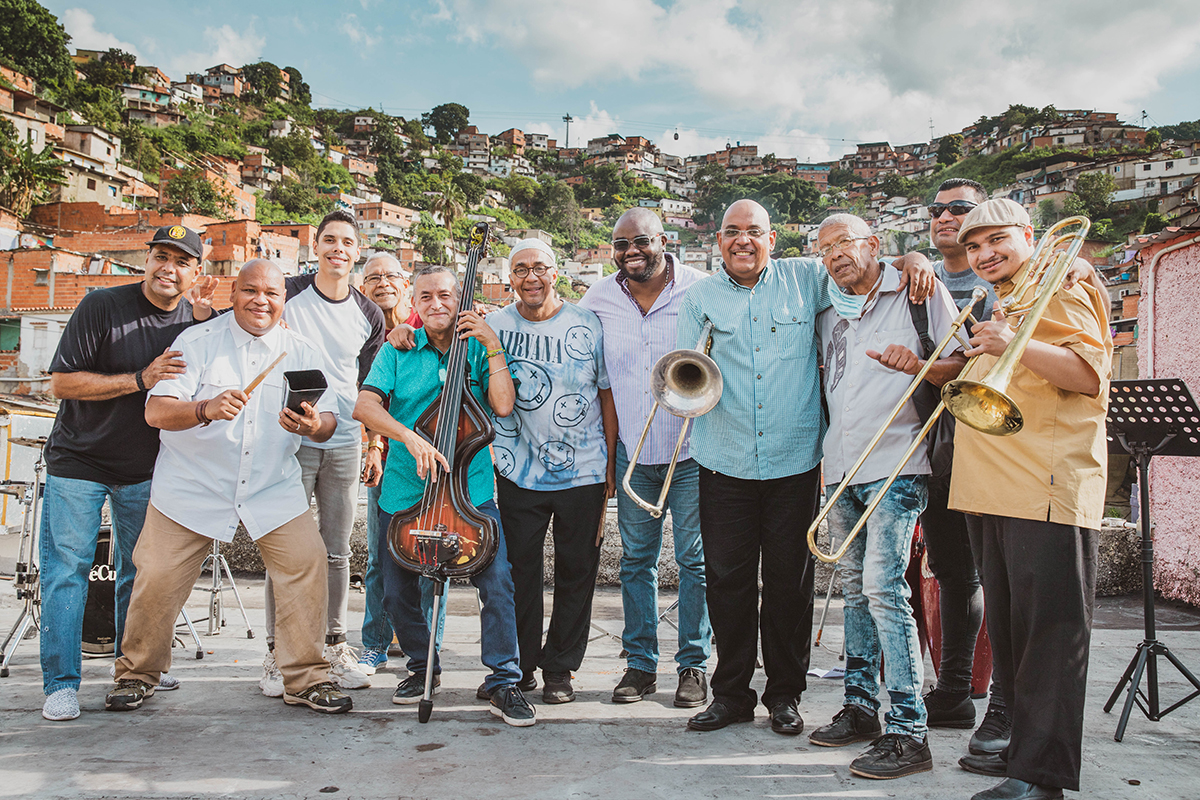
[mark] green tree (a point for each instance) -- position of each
(1093, 195)
(519, 190)
(294, 151)
(446, 120)
(561, 211)
(1154, 138)
(189, 192)
(898, 186)
(950, 149)
(262, 78)
(301, 92)
(34, 42)
(430, 240)
(1154, 222)
(26, 177)
(1047, 213)
(472, 187)
(450, 203)
(564, 288)
(842, 177)
(110, 70)
(416, 134)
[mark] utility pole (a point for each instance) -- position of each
(567, 118)
(931, 129)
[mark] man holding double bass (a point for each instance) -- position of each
(411, 381)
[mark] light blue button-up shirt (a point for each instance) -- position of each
(768, 423)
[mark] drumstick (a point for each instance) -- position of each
(254, 383)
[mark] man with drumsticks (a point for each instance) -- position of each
(871, 346)
(1034, 501)
(229, 455)
(114, 348)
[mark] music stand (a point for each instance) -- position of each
(1147, 418)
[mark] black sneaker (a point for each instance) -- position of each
(993, 733)
(893, 755)
(635, 685)
(509, 703)
(412, 689)
(325, 697)
(947, 710)
(528, 682)
(127, 695)
(557, 688)
(852, 724)
(693, 689)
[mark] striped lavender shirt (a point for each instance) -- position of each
(632, 344)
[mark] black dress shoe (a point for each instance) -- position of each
(635, 685)
(991, 764)
(557, 687)
(1013, 789)
(718, 715)
(693, 689)
(786, 719)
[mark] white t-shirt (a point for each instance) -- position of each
(554, 438)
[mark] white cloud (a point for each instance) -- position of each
(223, 45)
(859, 69)
(357, 33)
(81, 24)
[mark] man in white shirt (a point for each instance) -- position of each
(228, 456)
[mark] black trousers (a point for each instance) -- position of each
(960, 596)
(525, 515)
(1040, 582)
(739, 521)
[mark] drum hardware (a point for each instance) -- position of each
(25, 576)
(216, 606)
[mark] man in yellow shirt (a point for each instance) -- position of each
(1034, 501)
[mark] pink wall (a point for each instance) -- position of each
(1174, 482)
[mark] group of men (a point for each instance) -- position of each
(568, 387)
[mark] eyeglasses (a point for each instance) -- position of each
(957, 208)
(621, 245)
(371, 280)
(829, 249)
(734, 233)
(536, 269)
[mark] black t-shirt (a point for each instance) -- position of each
(113, 331)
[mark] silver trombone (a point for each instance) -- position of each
(687, 383)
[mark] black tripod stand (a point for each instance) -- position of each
(1145, 419)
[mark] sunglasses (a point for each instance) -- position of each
(958, 208)
(621, 245)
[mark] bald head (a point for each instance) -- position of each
(747, 209)
(746, 241)
(257, 296)
(644, 219)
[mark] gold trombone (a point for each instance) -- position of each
(687, 383)
(984, 404)
(978, 294)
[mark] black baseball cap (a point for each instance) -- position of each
(178, 236)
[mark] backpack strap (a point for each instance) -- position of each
(920, 321)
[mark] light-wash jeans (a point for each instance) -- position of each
(376, 629)
(878, 618)
(67, 549)
(333, 476)
(641, 544)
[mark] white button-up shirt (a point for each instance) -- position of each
(208, 478)
(633, 342)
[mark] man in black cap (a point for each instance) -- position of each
(115, 346)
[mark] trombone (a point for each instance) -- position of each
(978, 294)
(984, 404)
(687, 383)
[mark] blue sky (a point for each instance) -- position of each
(798, 78)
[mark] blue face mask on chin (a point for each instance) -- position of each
(847, 306)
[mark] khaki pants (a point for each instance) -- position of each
(168, 558)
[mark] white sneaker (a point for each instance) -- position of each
(61, 705)
(271, 681)
(343, 666)
(166, 683)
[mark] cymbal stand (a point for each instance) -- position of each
(216, 607)
(26, 574)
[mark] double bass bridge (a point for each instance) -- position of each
(436, 547)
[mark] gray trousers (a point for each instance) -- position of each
(332, 475)
(1040, 582)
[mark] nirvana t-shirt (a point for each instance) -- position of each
(554, 438)
(113, 331)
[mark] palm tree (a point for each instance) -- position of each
(26, 176)
(450, 203)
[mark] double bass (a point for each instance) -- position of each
(445, 536)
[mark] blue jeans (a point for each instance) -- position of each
(878, 618)
(641, 544)
(67, 550)
(497, 618)
(376, 629)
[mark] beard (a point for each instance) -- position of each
(653, 264)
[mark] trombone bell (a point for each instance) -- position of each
(983, 407)
(687, 383)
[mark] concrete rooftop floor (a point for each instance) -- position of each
(217, 736)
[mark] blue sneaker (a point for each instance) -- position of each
(372, 659)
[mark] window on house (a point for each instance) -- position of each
(91, 184)
(1145, 167)
(112, 191)
(33, 137)
(1170, 164)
